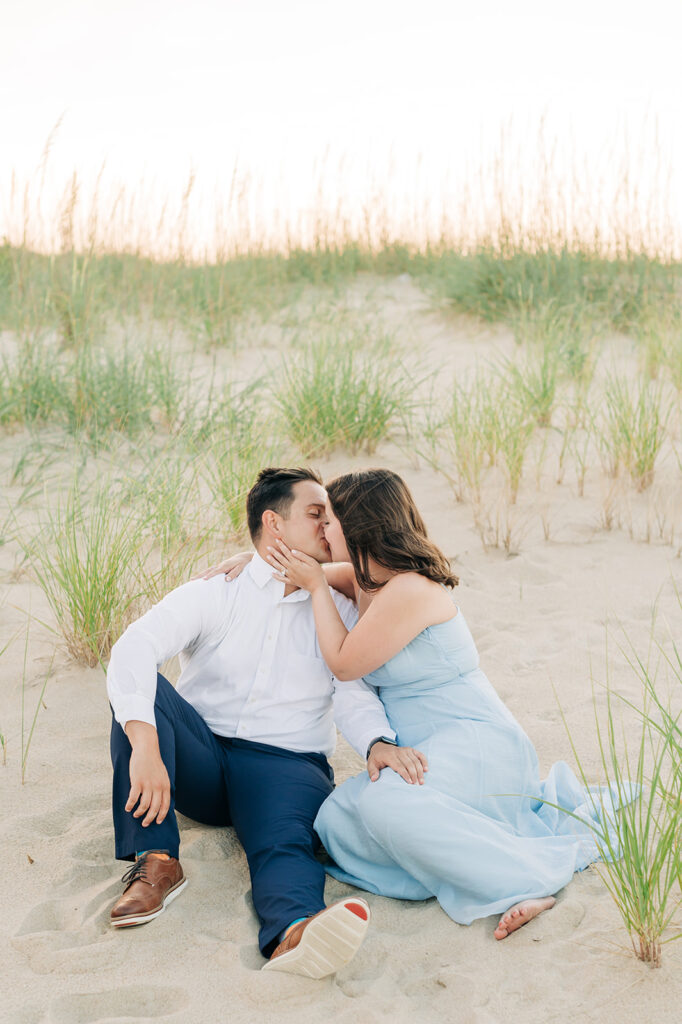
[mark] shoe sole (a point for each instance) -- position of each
(327, 944)
(127, 922)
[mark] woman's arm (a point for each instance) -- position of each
(340, 575)
(405, 606)
(230, 567)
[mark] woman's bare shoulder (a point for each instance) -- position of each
(412, 586)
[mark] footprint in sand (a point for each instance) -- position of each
(558, 923)
(250, 957)
(56, 926)
(210, 845)
(136, 1002)
(96, 849)
(60, 821)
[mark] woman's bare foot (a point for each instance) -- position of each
(521, 914)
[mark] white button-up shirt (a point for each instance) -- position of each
(251, 665)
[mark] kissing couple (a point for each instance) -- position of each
(342, 615)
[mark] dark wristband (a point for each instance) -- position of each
(380, 739)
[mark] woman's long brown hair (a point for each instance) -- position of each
(380, 521)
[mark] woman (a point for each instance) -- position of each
(483, 834)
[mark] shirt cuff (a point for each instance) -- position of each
(134, 708)
(367, 738)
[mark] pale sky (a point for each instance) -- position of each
(156, 87)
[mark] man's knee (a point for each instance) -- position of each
(289, 840)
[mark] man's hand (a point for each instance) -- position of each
(406, 761)
(149, 782)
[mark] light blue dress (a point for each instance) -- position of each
(477, 835)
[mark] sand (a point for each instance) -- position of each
(540, 621)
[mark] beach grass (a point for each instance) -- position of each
(502, 283)
(3, 739)
(90, 368)
(229, 467)
(661, 715)
(659, 333)
(109, 393)
(456, 442)
(479, 446)
(76, 296)
(633, 428)
(535, 380)
(512, 424)
(162, 485)
(31, 385)
(641, 872)
(28, 728)
(344, 393)
(86, 559)
(570, 333)
(579, 441)
(637, 815)
(91, 392)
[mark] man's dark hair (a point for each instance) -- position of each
(274, 490)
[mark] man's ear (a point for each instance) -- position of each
(272, 522)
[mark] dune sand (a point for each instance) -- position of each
(539, 619)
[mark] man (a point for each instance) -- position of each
(244, 738)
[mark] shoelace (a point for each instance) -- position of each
(137, 873)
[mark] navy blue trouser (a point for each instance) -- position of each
(271, 796)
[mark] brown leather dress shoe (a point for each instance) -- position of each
(322, 944)
(152, 882)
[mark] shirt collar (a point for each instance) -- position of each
(261, 574)
(260, 571)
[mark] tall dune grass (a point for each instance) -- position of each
(3, 739)
(633, 428)
(344, 393)
(229, 468)
(457, 440)
(92, 392)
(162, 486)
(207, 301)
(659, 332)
(31, 385)
(497, 285)
(480, 445)
(85, 558)
(535, 379)
(28, 729)
(639, 844)
(531, 224)
(664, 716)
(562, 266)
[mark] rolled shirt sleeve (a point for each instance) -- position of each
(173, 625)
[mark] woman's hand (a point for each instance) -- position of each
(232, 567)
(296, 568)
